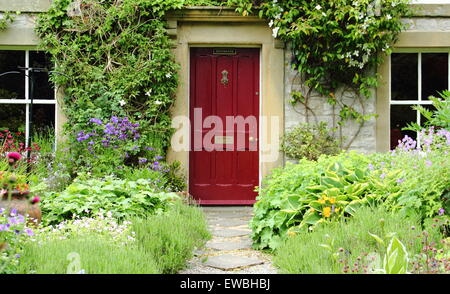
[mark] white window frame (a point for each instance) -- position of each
(420, 100)
(27, 100)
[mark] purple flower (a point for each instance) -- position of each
(370, 166)
(399, 181)
(429, 163)
(149, 148)
(29, 232)
(441, 211)
(382, 176)
(142, 160)
(158, 157)
(96, 121)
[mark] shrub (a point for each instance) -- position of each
(85, 254)
(412, 180)
(356, 245)
(171, 237)
(292, 195)
(309, 141)
(123, 198)
(153, 244)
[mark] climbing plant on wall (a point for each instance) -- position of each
(335, 44)
(6, 19)
(115, 59)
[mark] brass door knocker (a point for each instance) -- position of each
(224, 80)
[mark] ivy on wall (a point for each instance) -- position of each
(335, 44)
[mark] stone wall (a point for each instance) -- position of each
(366, 139)
(322, 111)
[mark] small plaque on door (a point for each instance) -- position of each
(224, 51)
(223, 140)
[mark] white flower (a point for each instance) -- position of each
(324, 14)
(275, 32)
(388, 17)
(148, 93)
(318, 7)
(271, 23)
(278, 16)
(157, 102)
(122, 102)
(168, 75)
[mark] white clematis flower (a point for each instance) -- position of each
(275, 32)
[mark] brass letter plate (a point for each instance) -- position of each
(223, 140)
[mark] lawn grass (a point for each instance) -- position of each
(163, 245)
(312, 252)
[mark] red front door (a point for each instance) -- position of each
(224, 114)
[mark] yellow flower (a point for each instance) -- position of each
(321, 201)
(337, 209)
(291, 234)
(326, 211)
(332, 200)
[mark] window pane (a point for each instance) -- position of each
(422, 118)
(43, 118)
(43, 88)
(401, 116)
(12, 86)
(404, 76)
(12, 117)
(434, 74)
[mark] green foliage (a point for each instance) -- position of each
(171, 237)
(160, 244)
(300, 194)
(396, 258)
(123, 198)
(309, 141)
(96, 256)
(413, 182)
(115, 59)
(335, 44)
(348, 246)
(439, 118)
(310, 193)
(6, 19)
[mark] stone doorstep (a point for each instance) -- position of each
(228, 262)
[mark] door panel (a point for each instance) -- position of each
(225, 86)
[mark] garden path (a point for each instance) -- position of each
(229, 251)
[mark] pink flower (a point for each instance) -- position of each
(14, 155)
(35, 199)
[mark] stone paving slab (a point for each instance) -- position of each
(230, 245)
(229, 251)
(229, 262)
(229, 222)
(230, 232)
